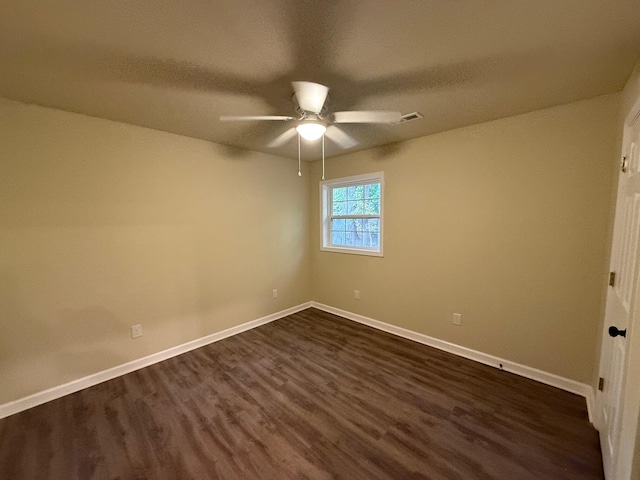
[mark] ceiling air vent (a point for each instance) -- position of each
(410, 116)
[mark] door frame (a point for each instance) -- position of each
(630, 391)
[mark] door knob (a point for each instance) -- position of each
(614, 332)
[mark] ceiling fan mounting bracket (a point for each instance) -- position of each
(305, 113)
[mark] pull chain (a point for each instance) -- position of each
(323, 156)
(299, 172)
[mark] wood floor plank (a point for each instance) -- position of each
(310, 396)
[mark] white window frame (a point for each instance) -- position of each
(326, 209)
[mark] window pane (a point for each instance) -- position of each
(372, 207)
(373, 190)
(371, 232)
(339, 194)
(356, 230)
(348, 239)
(337, 238)
(338, 224)
(372, 225)
(353, 239)
(366, 240)
(359, 239)
(339, 208)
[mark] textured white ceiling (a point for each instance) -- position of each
(178, 66)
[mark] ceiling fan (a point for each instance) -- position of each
(313, 121)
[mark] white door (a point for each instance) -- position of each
(621, 298)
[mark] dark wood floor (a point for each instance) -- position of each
(310, 396)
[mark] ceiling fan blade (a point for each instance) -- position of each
(282, 138)
(367, 117)
(340, 138)
(311, 96)
(243, 118)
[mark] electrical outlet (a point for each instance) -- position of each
(356, 294)
(136, 331)
(275, 293)
(457, 319)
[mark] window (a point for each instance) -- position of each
(351, 214)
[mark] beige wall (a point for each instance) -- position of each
(504, 222)
(105, 225)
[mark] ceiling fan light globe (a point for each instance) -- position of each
(311, 131)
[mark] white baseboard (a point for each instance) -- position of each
(44, 396)
(528, 372)
(591, 406)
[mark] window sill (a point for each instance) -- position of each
(353, 251)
